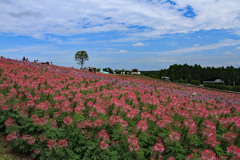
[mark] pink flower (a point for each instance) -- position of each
(67, 120)
(208, 155)
(12, 136)
(52, 143)
(57, 106)
(42, 138)
(66, 109)
(211, 140)
(25, 137)
(56, 114)
(62, 143)
(142, 125)
(98, 123)
(103, 144)
(37, 150)
(177, 124)
(159, 157)
(234, 149)
(30, 103)
(158, 147)
(79, 108)
(174, 136)
(230, 136)
(5, 107)
(161, 124)
(103, 134)
(9, 122)
(23, 114)
(133, 141)
(31, 140)
(53, 123)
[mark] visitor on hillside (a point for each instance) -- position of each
(23, 58)
(27, 60)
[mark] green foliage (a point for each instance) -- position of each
(182, 80)
(223, 87)
(195, 82)
(197, 74)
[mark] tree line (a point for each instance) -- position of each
(196, 74)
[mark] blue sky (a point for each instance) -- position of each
(143, 34)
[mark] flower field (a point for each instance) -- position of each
(54, 112)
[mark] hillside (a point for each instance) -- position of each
(54, 112)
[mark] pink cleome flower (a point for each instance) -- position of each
(12, 136)
(62, 143)
(31, 140)
(142, 125)
(174, 136)
(158, 147)
(37, 150)
(103, 144)
(208, 155)
(133, 141)
(9, 122)
(103, 134)
(234, 149)
(52, 143)
(67, 120)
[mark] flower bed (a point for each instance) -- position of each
(62, 113)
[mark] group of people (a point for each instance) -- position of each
(92, 69)
(25, 59)
(35, 61)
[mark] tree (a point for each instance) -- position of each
(81, 57)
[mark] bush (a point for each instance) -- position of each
(195, 82)
(223, 87)
(182, 81)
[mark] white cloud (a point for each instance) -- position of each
(227, 53)
(135, 18)
(223, 43)
(42, 50)
(138, 44)
(196, 45)
(171, 43)
(122, 51)
(238, 48)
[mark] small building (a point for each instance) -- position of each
(135, 71)
(216, 81)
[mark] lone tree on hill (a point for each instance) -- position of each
(81, 57)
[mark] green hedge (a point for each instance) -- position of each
(223, 87)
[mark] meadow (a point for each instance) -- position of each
(54, 112)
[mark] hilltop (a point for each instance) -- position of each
(56, 112)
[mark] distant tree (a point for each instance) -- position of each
(108, 70)
(172, 76)
(81, 57)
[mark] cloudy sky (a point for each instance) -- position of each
(143, 34)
